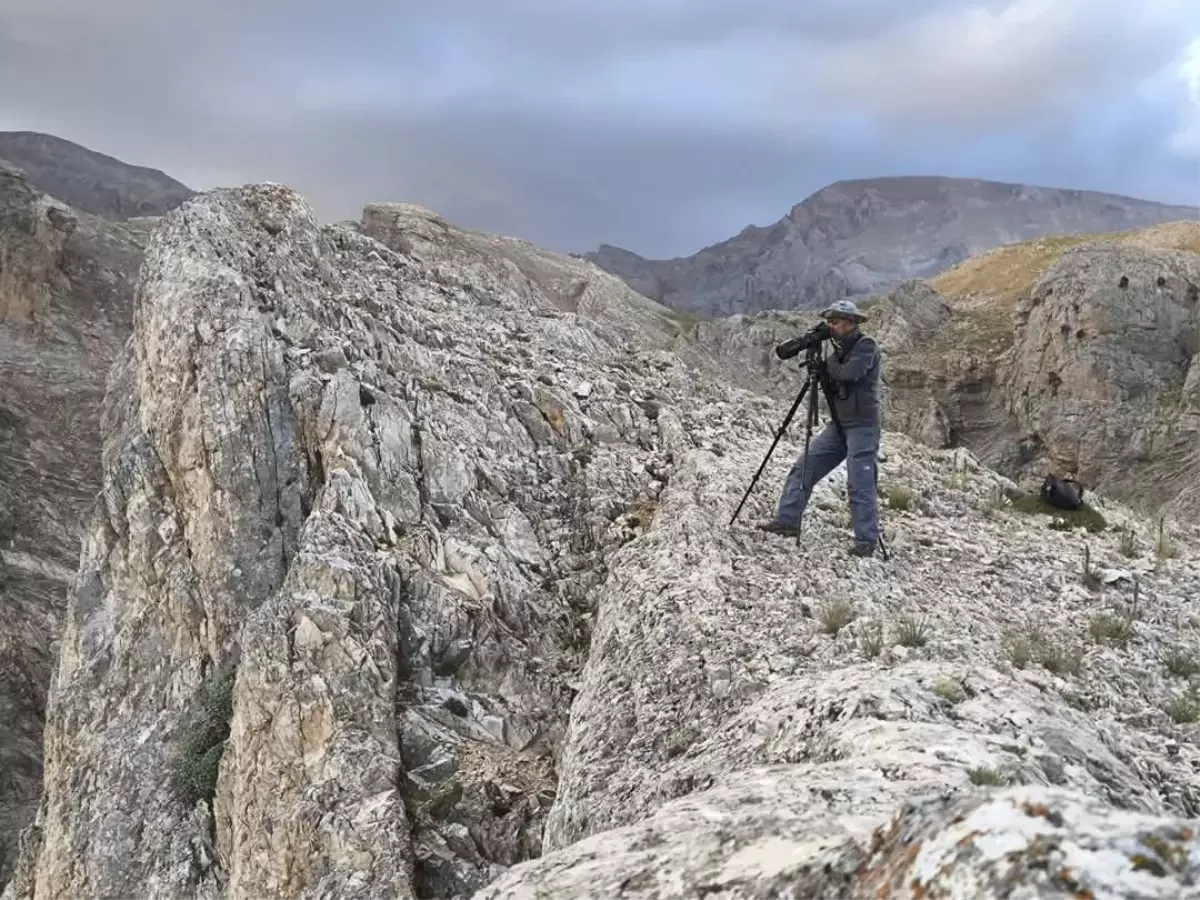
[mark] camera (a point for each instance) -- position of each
(810, 338)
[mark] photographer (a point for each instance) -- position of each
(852, 376)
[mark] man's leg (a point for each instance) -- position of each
(862, 445)
(825, 451)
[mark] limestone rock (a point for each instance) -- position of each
(66, 291)
(1105, 372)
(759, 718)
(357, 482)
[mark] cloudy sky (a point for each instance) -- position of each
(657, 125)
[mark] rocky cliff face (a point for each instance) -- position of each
(411, 575)
(66, 291)
(90, 181)
(862, 237)
(377, 487)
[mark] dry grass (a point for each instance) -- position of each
(1002, 276)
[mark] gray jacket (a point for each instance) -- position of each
(854, 376)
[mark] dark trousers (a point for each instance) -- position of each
(858, 450)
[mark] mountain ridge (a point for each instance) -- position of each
(89, 180)
(855, 237)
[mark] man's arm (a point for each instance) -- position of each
(864, 352)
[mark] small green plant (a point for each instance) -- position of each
(1128, 544)
(898, 496)
(1019, 648)
(1164, 547)
(1180, 663)
(1110, 628)
(1185, 708)
(957, 481)
(1059, 657)
(983, 776)
(836, 615)
(871, 639)
(202, 739)
(949, 689)
(996, 501)
(912, 631)
(1031, 644)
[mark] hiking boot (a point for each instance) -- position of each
(776, 527)
(863, 548)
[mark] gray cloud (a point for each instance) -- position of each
(659, 125)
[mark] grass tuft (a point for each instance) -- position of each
(912, 631)
(898, 496)
(1110, 628)
(836, 615)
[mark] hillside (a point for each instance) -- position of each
(66, 308)
(411, 575)
(1071, 353)
(862, 237)
(89, 181)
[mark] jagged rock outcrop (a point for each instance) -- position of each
(429, 533)
(379, 486)
(66, 292)
(866, 236)
(89, 181)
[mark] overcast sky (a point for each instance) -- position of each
(657, 125)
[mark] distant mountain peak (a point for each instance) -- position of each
(865, 235)
(89, 180)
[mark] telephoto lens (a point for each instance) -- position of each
(815, 335)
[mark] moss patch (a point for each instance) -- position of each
(1084, 517)
(201, 741)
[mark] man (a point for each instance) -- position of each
(854, 377)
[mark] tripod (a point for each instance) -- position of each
(814, 363)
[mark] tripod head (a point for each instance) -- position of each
(814, 359)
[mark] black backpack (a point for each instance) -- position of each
(1064, 493)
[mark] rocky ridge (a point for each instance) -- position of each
(66, 302)
(977, 716)
(444, 520)
(379, 486)
(866, 236)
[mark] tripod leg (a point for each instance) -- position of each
(805, 486)
(778, 434)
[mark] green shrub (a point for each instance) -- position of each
(898, 496)
(201, 741)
